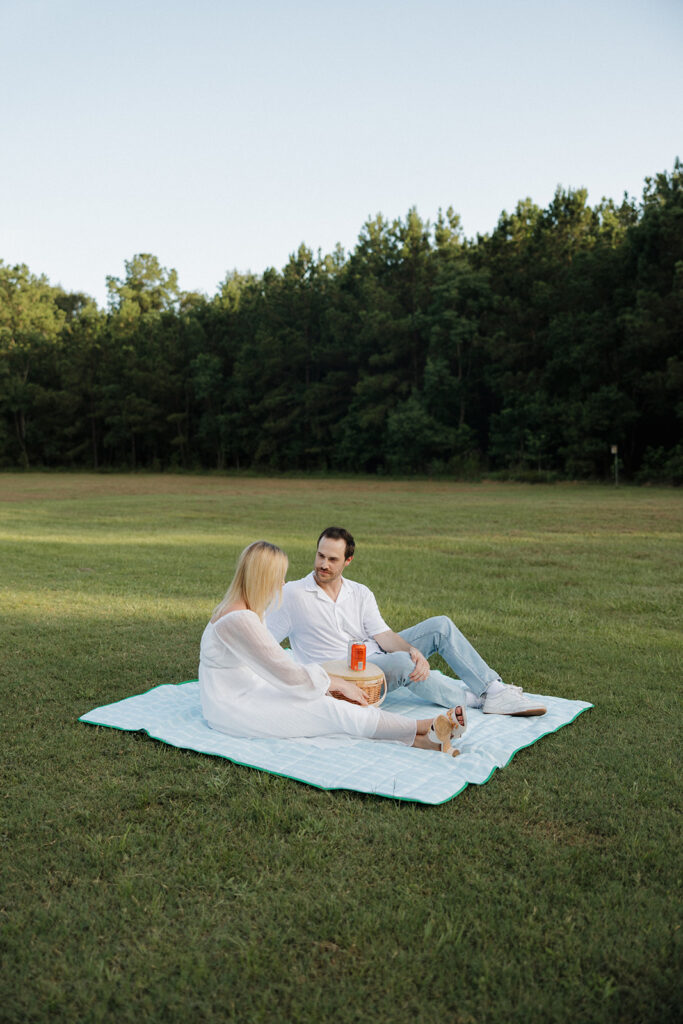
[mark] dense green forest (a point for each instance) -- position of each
(529, 351)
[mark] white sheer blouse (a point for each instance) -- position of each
(241, 641)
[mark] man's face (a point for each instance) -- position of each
(329, 560)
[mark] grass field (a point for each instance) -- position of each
(141, 882)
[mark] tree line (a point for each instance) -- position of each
(529, 351)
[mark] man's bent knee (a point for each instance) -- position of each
(440, 626)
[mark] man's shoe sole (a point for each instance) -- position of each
(519, 714)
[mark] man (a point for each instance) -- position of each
(323, 612)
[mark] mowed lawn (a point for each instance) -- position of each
(141, 882)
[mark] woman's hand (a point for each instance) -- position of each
(344, 689)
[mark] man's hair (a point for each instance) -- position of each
(338, 533)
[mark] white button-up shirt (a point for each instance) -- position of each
(319, 629)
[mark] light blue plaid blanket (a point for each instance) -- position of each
(172, 714)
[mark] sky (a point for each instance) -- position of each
(219, 135)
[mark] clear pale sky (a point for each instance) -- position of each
(220, 134)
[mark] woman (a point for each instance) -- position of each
(250, 687)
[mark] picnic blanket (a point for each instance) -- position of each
(172, 713)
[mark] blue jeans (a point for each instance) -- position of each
(438, 635)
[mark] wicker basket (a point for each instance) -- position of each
(371, 679)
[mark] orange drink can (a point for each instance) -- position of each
(357, 657)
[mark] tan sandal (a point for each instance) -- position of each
(446, 728)
(458, 729)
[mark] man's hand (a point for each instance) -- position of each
(344, 689)
(421, 670)
(391, 642)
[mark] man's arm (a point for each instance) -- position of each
(278, 619)
(390, 642)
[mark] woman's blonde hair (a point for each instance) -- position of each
(258, 578)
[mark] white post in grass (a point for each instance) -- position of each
(615, 453)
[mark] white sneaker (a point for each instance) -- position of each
(512, 701)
